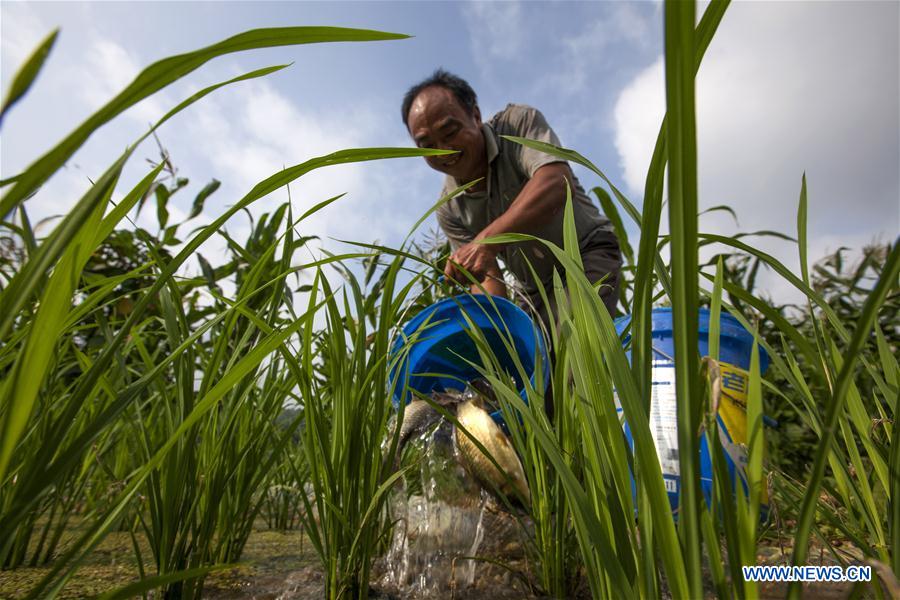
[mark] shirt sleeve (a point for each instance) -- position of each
(456, 232)
(529, 123)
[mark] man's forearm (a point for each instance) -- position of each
(494, 287)
(492, 284)
(540, 199)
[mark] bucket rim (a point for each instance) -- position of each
(729, 327)
(502, 308)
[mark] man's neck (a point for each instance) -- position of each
(481, 184)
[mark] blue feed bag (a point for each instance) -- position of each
(735, 348)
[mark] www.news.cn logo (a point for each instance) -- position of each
(807, 573)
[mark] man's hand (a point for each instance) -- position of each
(483, 266)
(478, 259)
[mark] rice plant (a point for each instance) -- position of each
(733, 517)
(64, 403)
(134, 397)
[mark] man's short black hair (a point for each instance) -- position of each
(457, 85)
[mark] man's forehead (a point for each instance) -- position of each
(436, 100)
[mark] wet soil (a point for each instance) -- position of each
(283, 566)
(272, 562)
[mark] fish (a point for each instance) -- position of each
(469, 407)
(509, 480)
(421, 415)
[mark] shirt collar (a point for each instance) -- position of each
(490, 148)
(490, 142)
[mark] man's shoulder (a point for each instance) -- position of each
(513, 117)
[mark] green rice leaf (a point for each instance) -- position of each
(162, 201)
(206, 192)
(147, 584)
(835, 406)
(444, 199)
(889, 364)
(715, 310)
(682, 151)
(721, 208)
(894, 464)
(755, 440)
(612, 213)
(316, 208)
(27, 74)
(648, 259)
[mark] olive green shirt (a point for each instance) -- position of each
(510, 166)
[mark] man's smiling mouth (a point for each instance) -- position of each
(452, 160)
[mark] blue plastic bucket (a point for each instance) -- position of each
(735, 347)
(441, 347)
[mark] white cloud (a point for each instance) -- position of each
(639, 111)
(23, 30)
(111, 68)
(254, 131)
(496, 29)
(598, 45)
(777, 96)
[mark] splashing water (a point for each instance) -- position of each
(441, 515)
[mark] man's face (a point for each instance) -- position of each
(437, 120)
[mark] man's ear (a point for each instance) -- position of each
(476, 114)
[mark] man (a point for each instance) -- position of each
(519, 190)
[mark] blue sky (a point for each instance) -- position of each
(786, 87)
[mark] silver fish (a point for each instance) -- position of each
(420, 415)
(510, 479)
(469, 406)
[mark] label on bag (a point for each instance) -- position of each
(664, 420)
(664, 417)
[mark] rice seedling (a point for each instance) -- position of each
(344, 383)
(283, 503)
(554, 545)
(134, 397)
(203, 499)
(697, 524)
(56, 391)
(600, 501)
